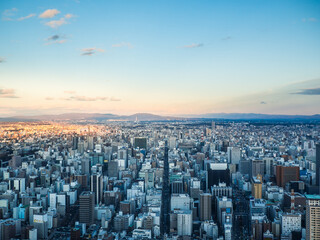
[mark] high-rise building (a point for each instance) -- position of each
(290, 222)
(313, 217)
(165, 197)
(285, 174)
(96, 186)
(172, 143)
(184, 223)
(86, 209)
(205, 206)
(318, 165)
(257, 167)
(180, 202)
(7, 229)
(256, 184)
(234, 155)
(218, 173)
(113, 169)
(140, 142)
(75, 141)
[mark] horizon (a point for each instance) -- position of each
(200, 115)
(164, 58)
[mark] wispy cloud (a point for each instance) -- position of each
(193, 45)
(68, 16)
(2, 59)
(122, 44)
(55, 39)
(85, 99)
(263, 102)
(309, 91)
(8, 14)
(56, 23)
(7, 93)
(49, 98)
(70, 92)
(91, 51)
(226, 38)
(114, 99)
(311, 19)
(26, 17)
(49, 13)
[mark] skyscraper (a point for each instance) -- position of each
(165, 206)
(96, 186)
(286, 174)
(312, 217)
(205, 206)
(318, 165)
(86, 209)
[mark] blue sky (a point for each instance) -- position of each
(164, 57)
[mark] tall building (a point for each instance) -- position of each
(205, 206)
(218, 173)
(290, 222)
(257, 167)
(96, 186)
(256, 184)
(234, 155)
(165, 198)
(318, 165)
(285, 174)
(86, 209)
(140, 142)
(113, 169)
(184, 223)
(313, 217)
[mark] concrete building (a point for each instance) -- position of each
(205, 206)
(313, 217)
(86, 209)
(184, 223)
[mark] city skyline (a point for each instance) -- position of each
(166, 58)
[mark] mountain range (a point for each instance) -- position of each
(153, 117)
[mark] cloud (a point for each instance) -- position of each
(8, 14)
(91, 51)
(49, 98)
(2, 59)
(56, 23)
(86, 99)
(70, 92)
(311, 19)
(55, 39)
(68, 16)
(26, 17)
(7, 93)
(262, 102)
(193, 45)
(122, 44)
(49, 13)
(113, 99)
(309, 91)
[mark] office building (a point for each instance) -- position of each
(205, 206)
(285, 174)
(313, 217)
(86, 209)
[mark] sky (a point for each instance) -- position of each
(161, 57)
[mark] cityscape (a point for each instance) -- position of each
(148, 119)
(172, 179)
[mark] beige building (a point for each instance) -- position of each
(313, 217)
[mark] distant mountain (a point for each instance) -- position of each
(153, 117)
(90, 116)
(253, 116)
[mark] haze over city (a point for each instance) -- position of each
(160, 57)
